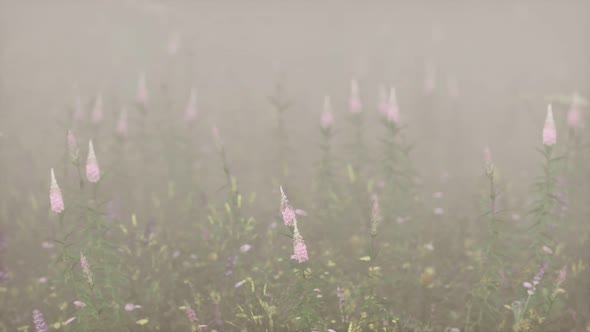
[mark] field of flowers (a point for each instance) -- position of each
(155, 213)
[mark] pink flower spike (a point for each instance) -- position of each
(487, 155)
(142, 92)
(73, 149)
(191, 111)
(173, 44)
(527, 285)
(562, 275)
(547, 250)
(299, 248)
(574, 115)
(86, 268)
(549, 132)
(55, 198)
(355, 100)
(39, 320)
(383, 100)
(327, 119)
(122, 124)
(92, 169)
(190, 314)
(79, 304)
(131, 307)
(287, 211)
(97, 110)
(245, 248)
(392, 107)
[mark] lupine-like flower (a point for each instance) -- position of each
(574, 115)
(73, 149)
(40, 325)
(539, 275)
(79, 304)
(287, 210)
(327, 119)
(532, 286)
(92, 169)
(97, 110)
(383, 100)
(142, 92)
(86, 268)
(453, 87)
(131, 307)
(191, 111)
(55, 198)
(562, 275)
(190, 314)
(547, 250)
(392, 107)
(549, 132)
(355, 100)
(122, 127)
(299, 248)
(173, 44)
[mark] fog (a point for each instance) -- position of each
(466, 76)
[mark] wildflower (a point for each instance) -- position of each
(122, 124)
(547, 250)
(190, 314)
(438, 211)
(392, 107)
(549, 133)
(355, 101)
(73, 147)
(92, 170)
(286, 210)
(299, 248)
(300, 212)
(539, 275)
(453, 87)
(562, 275)
(245, 247)
(327, 119)
(47, 245)
(383, 100)
(142, 93)
(86, 268)
(131, 307)
(173, 44)
(40, 325)
(574, 115)
(79, 304)
(55, 198)
(97, 110)
(191, 108)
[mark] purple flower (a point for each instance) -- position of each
(55, 198)
(549, 132)
(40, 325)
